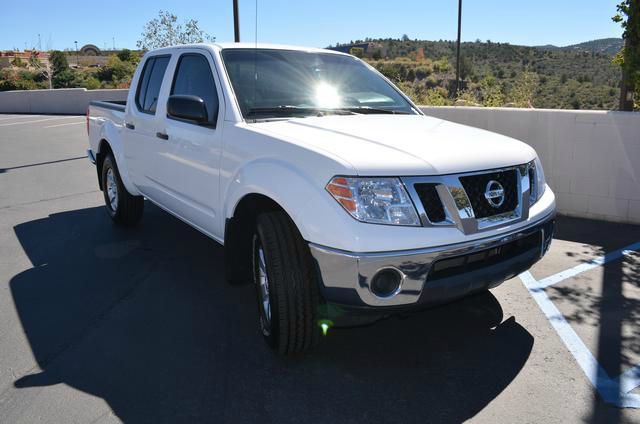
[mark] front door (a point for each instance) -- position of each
(190, 155)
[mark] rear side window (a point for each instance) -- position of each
(194, 77)
(150, 82)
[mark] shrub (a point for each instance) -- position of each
(91, 83)
(422, 72)
(356, 51)
(116, 71)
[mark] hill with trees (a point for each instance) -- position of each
(609, 46)
(582, 76)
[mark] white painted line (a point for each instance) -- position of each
(610, 390)
(630, 380)
(62, 125)
(594, 263)
(38, 120)
(5, 117)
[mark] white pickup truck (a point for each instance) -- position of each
(330, 190)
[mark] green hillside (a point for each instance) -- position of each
(609, 46)
(500, 74)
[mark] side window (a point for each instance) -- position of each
(195, 77)
(150, 82)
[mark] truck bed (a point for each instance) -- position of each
(104, 114)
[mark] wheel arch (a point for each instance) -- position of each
(108, 145)
(238, 234)
(104, 148)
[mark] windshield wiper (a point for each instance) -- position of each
(285, 110)
(372, 110)
(289, 110)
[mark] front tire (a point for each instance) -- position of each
(286, 285)
(124, 208)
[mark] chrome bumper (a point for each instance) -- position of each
(346, 276)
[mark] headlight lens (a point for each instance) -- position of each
(374, 200)
(537, 183)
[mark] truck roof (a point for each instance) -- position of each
(249, 45)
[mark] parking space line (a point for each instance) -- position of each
(4, 118)
(614, 391)
(594, 263)
(39, 120)
(630, 379)
(62, 125)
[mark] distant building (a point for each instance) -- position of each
(8, 56)
(90, 50)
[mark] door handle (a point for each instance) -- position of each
(162, 136)
(129, 126)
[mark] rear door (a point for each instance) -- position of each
(141, 123)
(190, 158)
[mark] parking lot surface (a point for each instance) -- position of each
(102, 324)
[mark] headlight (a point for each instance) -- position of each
(537, 182)
(374, 200)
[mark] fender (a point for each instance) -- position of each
(317, 216)
(112, 134)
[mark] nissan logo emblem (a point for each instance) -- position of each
(494, 193)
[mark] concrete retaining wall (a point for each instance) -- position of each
(591, 158)
(61, 101)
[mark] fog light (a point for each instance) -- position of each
(386, 283)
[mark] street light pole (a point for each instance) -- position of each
(458, 47)
(77, 60)
(236, 22)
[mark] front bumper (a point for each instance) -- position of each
(432, 275)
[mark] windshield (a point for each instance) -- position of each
(288, 83)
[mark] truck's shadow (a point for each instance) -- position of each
(143, 319)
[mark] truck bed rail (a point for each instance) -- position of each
(113, 105)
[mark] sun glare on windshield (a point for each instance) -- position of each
(326, 96)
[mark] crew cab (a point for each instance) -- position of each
(330, 190)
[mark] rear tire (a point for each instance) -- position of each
(288, 302)
(124, 208)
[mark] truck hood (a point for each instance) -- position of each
(403, 145)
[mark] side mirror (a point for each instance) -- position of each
(187, 108)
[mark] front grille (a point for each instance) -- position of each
(431, 202)
(476, 185)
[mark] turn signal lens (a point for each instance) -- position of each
(342, 193)
(374, 200)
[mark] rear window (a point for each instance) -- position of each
(150, 83)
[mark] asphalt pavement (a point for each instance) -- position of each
(103, 324)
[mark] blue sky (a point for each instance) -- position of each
(311, 23)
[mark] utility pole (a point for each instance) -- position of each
(236, 22)
(458, 47)
(77, 60)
